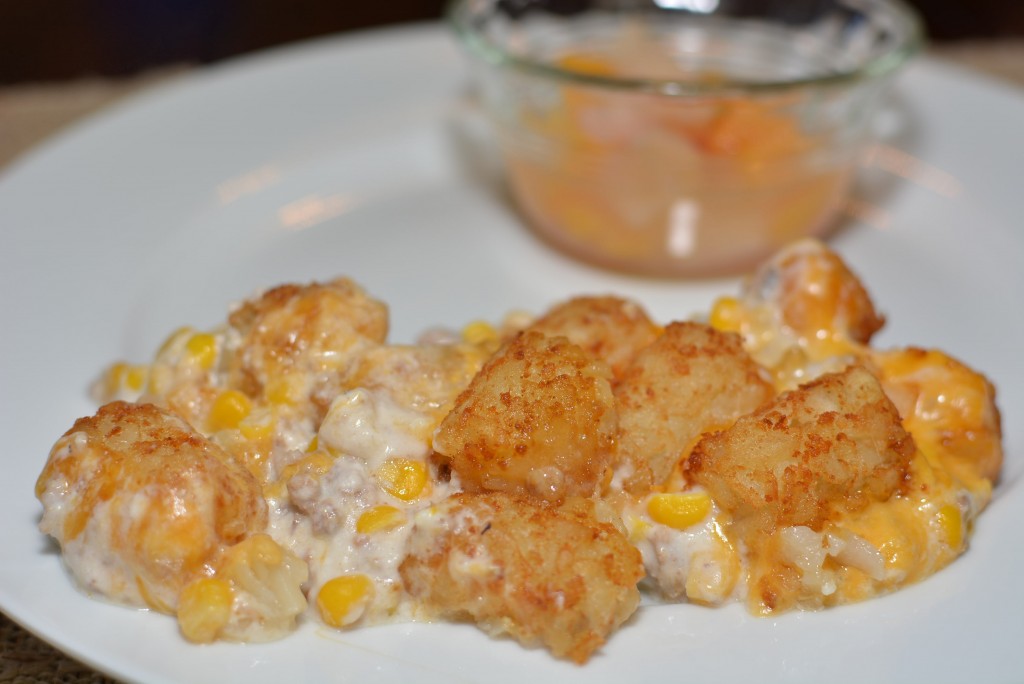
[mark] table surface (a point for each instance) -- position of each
(31, 113)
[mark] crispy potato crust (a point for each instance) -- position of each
(828, 447)
(544, 574)
(609, 328)
(538, 419)
(693, 379)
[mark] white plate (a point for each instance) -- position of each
(356, 156)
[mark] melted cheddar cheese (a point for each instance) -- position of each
(804, 314)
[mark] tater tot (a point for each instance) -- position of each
(140, 503)
(950, 408)
(546, 575)
(610, 328)
(691, 380)
(297, 343)
(816, 294)
(825, 448)
(538, 419)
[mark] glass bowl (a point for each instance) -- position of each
(682, 138)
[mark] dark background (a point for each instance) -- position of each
(43, 40)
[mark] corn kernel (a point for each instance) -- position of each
(317, 463)
(135, 378)
(228, 410)
(114, 379)
(343, 599)
(680, 510)
(637, 528)
(402, 478)
(314, 444)
(173, 340)
(160, 378)
(262, 548)
(379, 519)
(204, 609)
(952, 525)
(202, 347)
(256, 426)
(479, 332)
(284, 389)
(726, 314)
(714, 571)
(125, 376)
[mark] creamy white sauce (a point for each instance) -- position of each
(317, 521)
(695, 560)
(371, 427)
(95, 567)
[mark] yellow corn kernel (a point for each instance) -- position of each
(125, 376)
(135, 378)
(726, 314)
(343, 599)
(115, 378)
(714, 571)
(379, 519)
(204, 608)
(159, 380)
(679, 510)
(173, 340)
(256, 426)
(636, 528)
(952, 525)
(317, 463)
(402, 478)
(284, 389)
(479, 332)
(262, 548)
(228, 410)
(202, 347)
(314, 444)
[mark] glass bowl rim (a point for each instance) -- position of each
(875, 68)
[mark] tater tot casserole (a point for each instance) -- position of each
(535, 475)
